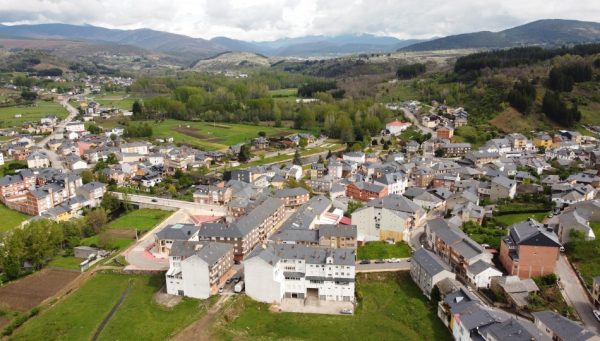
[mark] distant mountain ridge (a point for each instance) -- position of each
(549, 32)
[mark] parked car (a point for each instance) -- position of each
(239, 287)
(394, 260)
(236, 279)
(228, 281)
(221, 289)
(562, 249)
(597, 314)
(154, 200)
(347, 311)
(365, 262)
(379, 261)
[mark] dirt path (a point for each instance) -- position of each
(200, 330)
(112, 311)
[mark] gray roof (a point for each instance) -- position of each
(306, 214)
(395, 202)
(330, 230)
(210, 252)
(430, 262)
(177, 232)
(564, 328)
(290, 192)
(503, 181)
(532, 233)
(513, 330)
(479, 267)
(272, 253)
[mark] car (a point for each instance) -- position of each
(365, 262)
(485, 246)
(236, 262)
(229, 280)
(221, 289)
(379, 261)
(596, 314)
(236, 279)
(154, 200)
(408, 260)
(347, 311)
(562, 249)
(394, 260)
(550, 215)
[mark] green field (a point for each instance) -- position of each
(115, 100)
(10, 218)
(510, 219)
(383, 250)
(211, 136)
(138, 318)
(115, 243)
(290, 92)
(65, 262)
(392, 307)
(585, 255)
(143, 219)
(30, 113)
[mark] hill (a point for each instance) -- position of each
(547, 33)
(232, 61)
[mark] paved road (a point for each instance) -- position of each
(58, 130)
(404, 265)
(575, 294)
(411, 117)
(193, 207)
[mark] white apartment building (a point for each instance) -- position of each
(279, 271)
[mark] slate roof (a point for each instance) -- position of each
(564, 328)
(429, 262)
(177, 232)
(210, 252)
(272, 253)
(395, 202)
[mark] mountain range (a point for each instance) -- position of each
(552, 32)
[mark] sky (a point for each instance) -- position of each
(263, 20)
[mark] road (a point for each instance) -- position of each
(575, 294)
(404, 265)
(411, 117)
(59, 129)
(194, 208)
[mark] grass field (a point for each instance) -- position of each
(290, 92)
(119, 100)
(138, 318)
(392, 308)
(30, 113)
(585, 255)
(213, 137)
(65, 262)
(115, 243)
(383, 250)
(510, 219)
(10, 218)
(143, 219)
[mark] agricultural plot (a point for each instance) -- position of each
(115, 100)
(30, 113)
(28, 292)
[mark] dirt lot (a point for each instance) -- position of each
(194, 133)
(117, 233)
(30, 291)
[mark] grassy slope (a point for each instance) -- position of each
(30, 113)
(142, 219)
(392, 308)
(77, 316)
(10, 218)
(383, 250)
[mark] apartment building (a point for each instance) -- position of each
(427, 269)
(212, 195)
(293, 197)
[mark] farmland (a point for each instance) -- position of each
(77, 316)
(142, 220)
(391, 308)
(30, 291)
(115, 100)
(29, 113)
(10, 218)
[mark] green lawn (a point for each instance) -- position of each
(65, 262)
(30, 113)
(213, 137)
(586, 256)
(383, 250)
(10, 218)
(138, 318)
(143, 219)
(510, 219)
(391, 308)
(290, 92)
(115, 243)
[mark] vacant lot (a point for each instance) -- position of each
(30, 291)
(383, 250)
(30, 113)
(212, 136)
(391, 308)
(585, 255)
(10, 218)
(143, 219)
(77, 316)
(510, 219)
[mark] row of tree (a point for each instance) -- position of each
(522, 96)
(410, 70)
(557, 110)
(562, 78)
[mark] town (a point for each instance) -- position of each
(300, 198)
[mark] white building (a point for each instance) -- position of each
(197, 268)
(396, 127)
(38, 160)
(1, 159)
(358, 157)
(75, 127)
(396, 183)
(280, 271)
(480, 274)
(135, 148)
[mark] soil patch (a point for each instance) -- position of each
(118, 233)
(28, 292)
(194, 133)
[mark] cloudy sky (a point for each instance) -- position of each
(271, 19)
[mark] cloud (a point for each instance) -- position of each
(272, 19)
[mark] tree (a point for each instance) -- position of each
(94, 129)
(353, 206)
(262, 134)
(87, 176)
(439, 152)
(320, 160)
(329, 154)
(435, 295)
(297, 160)
(136, 109)
(110, 202)
(112, 159)
(97, 220)
(303, 142)
(244, 155)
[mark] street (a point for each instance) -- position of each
(195, 208)
(575, 294)
(411, 117)
(403, 265)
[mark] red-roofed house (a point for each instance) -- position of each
(396, 127)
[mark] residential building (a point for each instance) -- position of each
(284, 271)
(529, 250)
(38, 159)
(365, 191)
(502, 188)
(396, 182)
(560, 328)
(165, 238)
(212, 195)
(596, 291)
(357, 157)
(196, 269)
(444, 133)
(293, 197)
(480, 274)
(427, 269)
(397, 127)
(456, 149)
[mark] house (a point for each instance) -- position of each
(212, 195)
(513, 329)
(74, 162)
(38, 159)
(92, 191)
(392, 217)
(135, 148)
(456, 149)
(197, 269)
(396, 182)
(295, 172)
(427, 269)
(573, 221)
(542, 140)
(357, 157)
(165, 238)
(517, 141)
(444, 133)
(292, 197)
(529, 250)
(397, 127)
(75, 127)
(49, 120)
(502, 188)
(284, 271)
(325, 235)
(365, 191)
(558, 327)
(480, 274)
